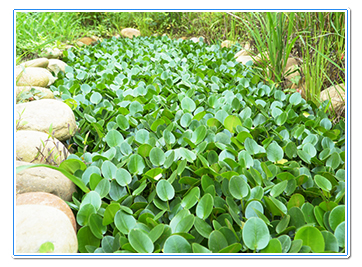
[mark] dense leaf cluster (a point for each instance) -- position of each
(182, 150)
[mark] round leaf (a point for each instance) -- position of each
(231, 122)
(86, 238)
(124, 222)
(323, 182)
(165, 190)
(337, 216)
(204, 207)
(238, 187)
(191, 198)
(311, 237)
(123, 177)
(255, 234)
(188, 104)
(114, 138)
(250, 209)
(140, 241)
(122, 122)
(274, 152)
(136, 164)
(217, 241)
(157, 156)
(177, 244)
(95, 98)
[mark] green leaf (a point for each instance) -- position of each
(337, 216)
(331, 242)
(123, 177)
(311, 237)
(140, 241)
(202, 227)
(333, 161)
(156, 232)
(295, 99)
(114, 138)
(322, 182)
(136, 164)
(204, 207)
(96, 226)
(96, 98)
(274, 246)
(191, 198)
(197, 248)
(92, 198)
(278, 188)
(47, 247)
(340, 233)
(110, 212)
(124, 222)
(188, 104)
(217, 241)
(157, 156)
(274, 152)
(176, 244)
(142, 136)
(250, 210)
(86, 238)
(251, 146)
(231, 122)
(255, 234)
(165, 190)
(238, 187)
(199, 134)
(122, 122)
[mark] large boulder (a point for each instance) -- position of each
(130, 32)
(86, 41)
(56, 65)
(39, 115)
(37, 147)
(49, 52)
(38, 62)
(32, 76)
(31, 91)
(41, 198)
(39, 224)
(336, 94)
(43, 179)
(244, 59)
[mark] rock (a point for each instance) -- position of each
(42, 179)
(41, 198)
(197, 39)
(291, 68)
(336, 94)
(227, 43)
(32, 76)
(38, 224)
(244, 59)
(85, 41)
(129, 32)
(51, 52)
(56, 65)
(242, 52)
(39, 115)
(36, 147)
(39, 62)
(40, 92)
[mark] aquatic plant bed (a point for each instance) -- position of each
(180, 149)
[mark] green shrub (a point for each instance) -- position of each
(182, 150)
